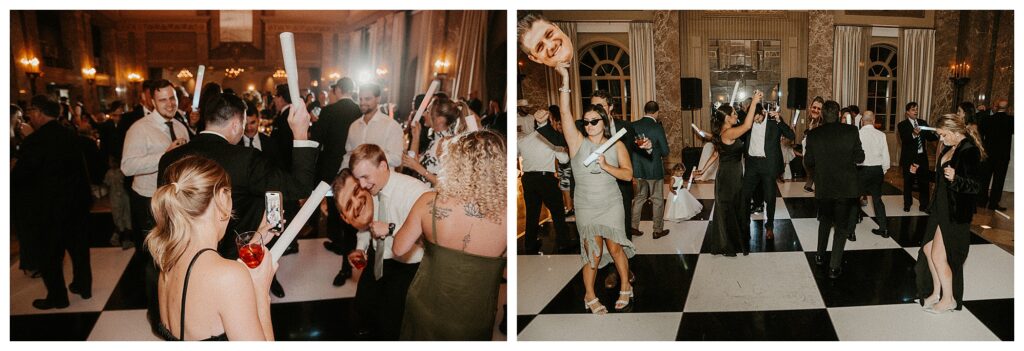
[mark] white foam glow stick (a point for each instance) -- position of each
(199, 88)
(289, 234)
(732, 98)
(426, 99)
(701, 132)
(927, 128)
(796, 116)
(290, 66)
(471, 125)
(604, 147)
(690, 183)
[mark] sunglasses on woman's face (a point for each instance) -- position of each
(592, 122)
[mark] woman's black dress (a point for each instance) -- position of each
(730, 227)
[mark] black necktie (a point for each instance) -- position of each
(170, 126)
(920, 141)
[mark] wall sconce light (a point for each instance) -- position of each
(134, 78)
(252, 87)
(382, 71)
(334, 76)
(32, 71)
(89, 74)
(280, 74)
(441, 67)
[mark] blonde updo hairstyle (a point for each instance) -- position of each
(953, 123)
(192, 184)
(473, 171)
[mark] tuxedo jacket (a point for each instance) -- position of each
(49, 181)
(282, 135)
(774, 131)
(997, 134)
(649, 165)
(252, 174)
(908, 147)
(269, 149)
(833, 152)
(331, 131)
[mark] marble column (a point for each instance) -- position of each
(667, 91)
(819, 54)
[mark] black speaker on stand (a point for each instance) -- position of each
(691, 97)
(796, 99)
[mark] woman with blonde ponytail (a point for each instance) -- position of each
(940, 261)
(204, 296)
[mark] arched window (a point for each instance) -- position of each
(606, 66)
(882, 86)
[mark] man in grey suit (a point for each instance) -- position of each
(649, 169)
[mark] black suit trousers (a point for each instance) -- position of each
(759, 174)
(542, 188)
(380, 304)
(835, 213)
(340, 232)
(871, 184)
(75, 241)
(921, 179)
(998, 166)
(626, 188)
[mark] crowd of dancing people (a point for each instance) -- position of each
(417, 205)
(747, 150)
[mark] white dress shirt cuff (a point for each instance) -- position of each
(363, 240)
(305, 143)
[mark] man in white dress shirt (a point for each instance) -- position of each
(148, 140)
(540, 183)
(372, 196)
(374, 127)
(872, 172)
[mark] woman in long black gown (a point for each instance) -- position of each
(730, 226)
(947, 237)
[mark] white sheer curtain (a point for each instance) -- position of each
(469, 65)
(554, 81)
(641, 64)
(847, 70)
(917, 66)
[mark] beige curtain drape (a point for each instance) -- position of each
(356, 54)
(847, 69)
(641, 64)
(917, 66)
(386, 37)
(469, 65)
(554, 81)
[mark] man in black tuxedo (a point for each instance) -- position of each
(51, 197)
(252, 174)
(252, 138)
(282, 134)
(833, 152)
(913, 151)
(764, 163)
(997, 137)
(331, 131)
(649, 169)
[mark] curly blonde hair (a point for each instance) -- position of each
(473, 171)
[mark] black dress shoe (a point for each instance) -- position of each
(86, 293)
(332, 247)
(293, 248)
(635, 232)
(852, 237)
(611, 281)
(808, 189)
(835, 272)
(884, 233)
(906, 208)
(276, 288)
(45, 304)
(997, 208)
(659, 235)
(818, 260)
(923, 208)
(342, 277)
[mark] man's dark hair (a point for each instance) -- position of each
(282, 91)
(345, 85)
(830, 111)
(116, 104)
(911, 105)
(147, 84)
(229, 91)
(854, 110)
(223, 108)
(651, 107)
(370, 87)
(250, 109)
(46, 106)
(159, 84)
(604, 95)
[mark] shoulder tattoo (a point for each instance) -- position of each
(473, 210)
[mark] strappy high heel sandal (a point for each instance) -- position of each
(929, 303)
(620, 304)
(931, 309)
(595, 306)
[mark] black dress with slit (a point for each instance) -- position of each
(729, 230)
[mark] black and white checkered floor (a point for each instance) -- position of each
(312, 308)
(775, 293)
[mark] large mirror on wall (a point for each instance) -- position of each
(754, 64)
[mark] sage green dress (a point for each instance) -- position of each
(454, 295)
(598, 205)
